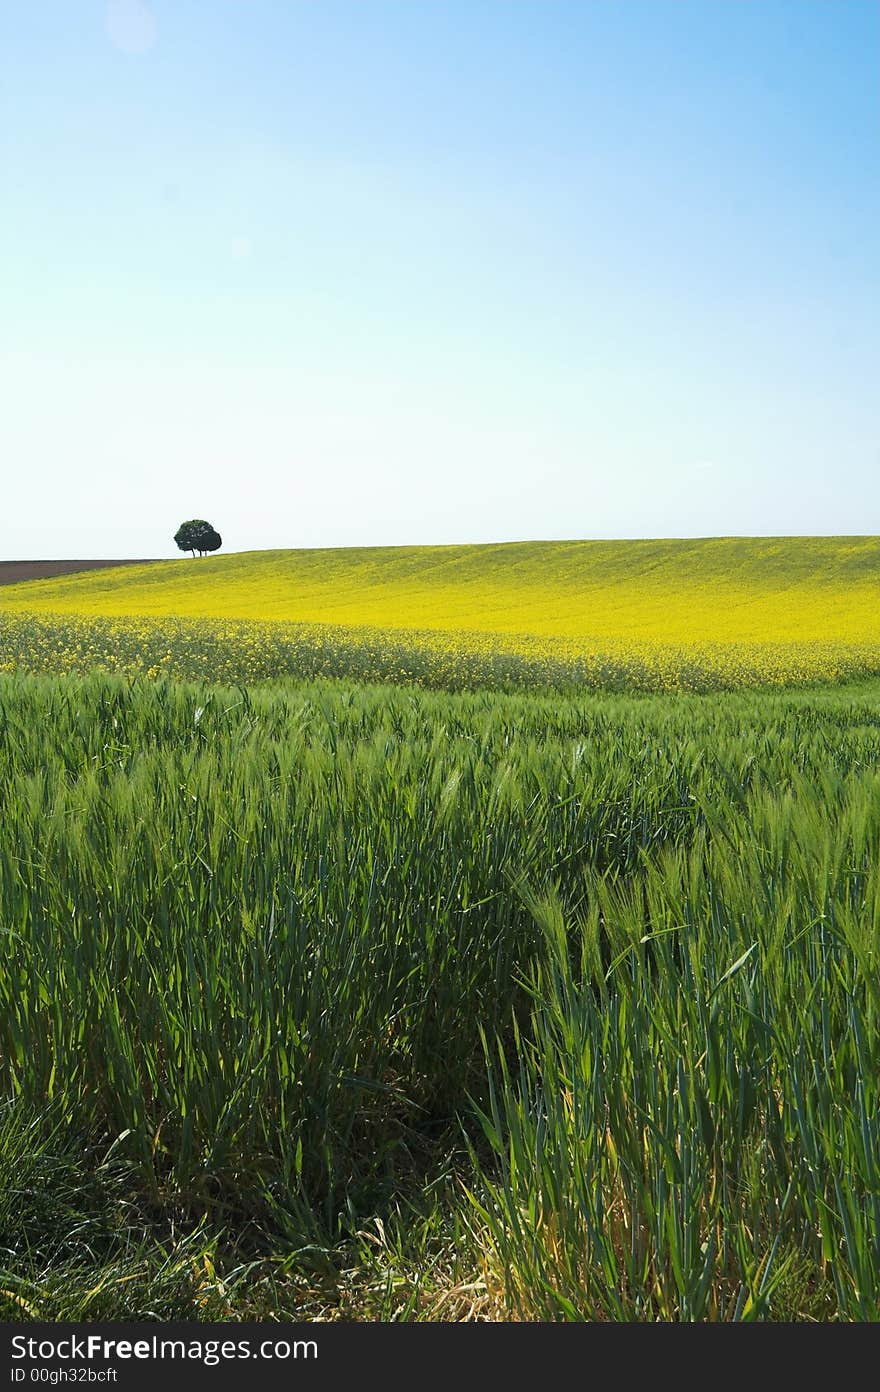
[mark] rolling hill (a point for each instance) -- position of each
(14, 572)
(728, 589)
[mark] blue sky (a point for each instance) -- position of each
(343, 272)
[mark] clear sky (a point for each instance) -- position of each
(343, 272)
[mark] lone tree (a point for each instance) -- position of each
(197, 535)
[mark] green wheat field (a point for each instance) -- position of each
(401, 992)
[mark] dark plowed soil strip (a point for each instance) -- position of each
(11, 572)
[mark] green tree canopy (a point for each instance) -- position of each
(197, 535)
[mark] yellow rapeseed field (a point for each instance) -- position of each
(655, 614)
